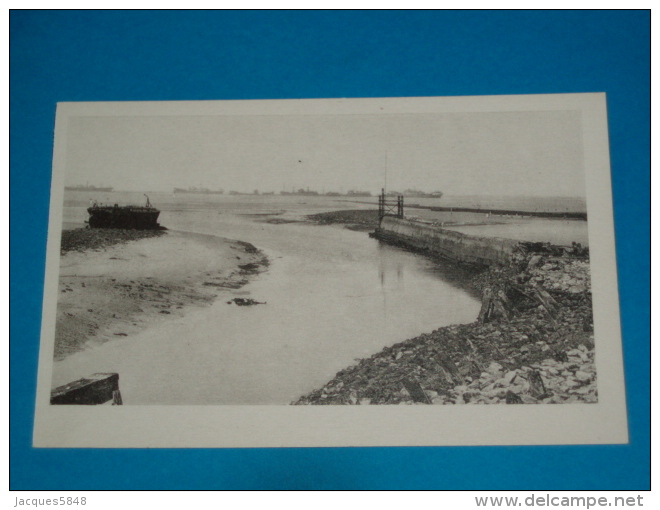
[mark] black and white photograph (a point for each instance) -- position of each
(441, 259)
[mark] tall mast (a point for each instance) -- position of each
(386, 158)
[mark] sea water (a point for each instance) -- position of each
(333, 296)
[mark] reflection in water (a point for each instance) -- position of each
(388, 264)
(333, 295)
(449, 272)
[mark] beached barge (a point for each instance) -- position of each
(126, 217)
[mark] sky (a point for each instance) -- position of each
(536, 153)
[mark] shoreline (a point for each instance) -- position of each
(574, 215)
(537, 346)
(115, 283)
(360, 220)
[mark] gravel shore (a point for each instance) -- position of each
(360, 219)
(537, 347)
(85, 239)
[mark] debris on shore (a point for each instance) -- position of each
(533, 343)
(245, 302)
(84, 239)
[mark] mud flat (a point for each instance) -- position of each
(86, 239)
(533, 343)
(360, 219)
(114, 283)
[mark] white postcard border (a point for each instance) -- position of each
(154, 426)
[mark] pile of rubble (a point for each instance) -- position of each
(533, 343)
(550, 382)
(560, 274)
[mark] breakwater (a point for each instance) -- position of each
(507, 212)
(532, 343)
(511, 212)
(479, 251)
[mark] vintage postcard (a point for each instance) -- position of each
(339, 272)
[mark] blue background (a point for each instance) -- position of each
(119, 56)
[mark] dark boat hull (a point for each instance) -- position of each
(128, 217)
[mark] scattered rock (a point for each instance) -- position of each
(583, 376)
(245, 302)
(539, 352)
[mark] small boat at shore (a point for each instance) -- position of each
(97, 389)
(140, 217)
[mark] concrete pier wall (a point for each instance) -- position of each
(446, 243)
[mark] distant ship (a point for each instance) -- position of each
(357, 193)
(140, 217)
(421, 194)
(199, 191)
(301, 193)
(88, 187)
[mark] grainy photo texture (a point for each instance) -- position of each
(430, 253)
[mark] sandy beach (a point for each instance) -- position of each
(108, 291)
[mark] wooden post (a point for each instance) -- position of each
(449, 368)
(536, 386)
(416, 391)
(498, 306)
(512, 398)
(116, 398)
(493, 304)
(486, 304)
(381, 205)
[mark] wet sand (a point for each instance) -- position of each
(108, 291)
